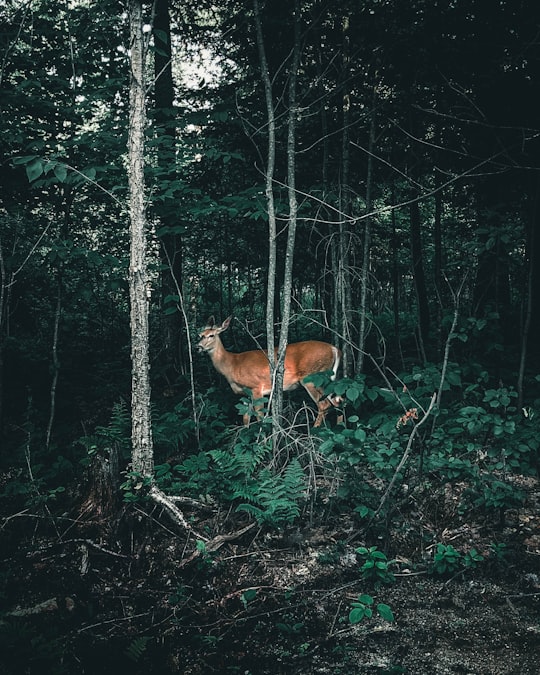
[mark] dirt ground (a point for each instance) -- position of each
(110, 598)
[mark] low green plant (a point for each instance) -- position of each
(117, 434)
(446, 560)
(211, 641)
(472, 559)
(492, 494)
(178, 596)
(275, 499)
(133, 488)
(25, 648)
(375, 566)
(362, 608)
(290, 629)
(247, 596)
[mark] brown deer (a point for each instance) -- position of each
(251, 370)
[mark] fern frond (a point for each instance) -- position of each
(136, 649)
(275, 502)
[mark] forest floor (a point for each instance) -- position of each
(122, 596)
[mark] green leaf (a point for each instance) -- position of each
(161, 35)
(34, 170)
(356, 615)
(385, 612)
(360, 435)
(352, 394)
(249, 594)
(90, 173)
(23, 160)
(365, 599)
(60, 171)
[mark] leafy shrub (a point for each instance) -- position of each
(446, 560)
(362, 608)
(375, 565)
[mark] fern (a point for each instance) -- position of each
(244, 459)
(275, 499)
(117, 433)
(136, 648)
(241, 475)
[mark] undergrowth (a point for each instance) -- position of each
(476, 436)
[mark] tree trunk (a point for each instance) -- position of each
(395, 280)
(364, 280)
(344, 275)
(293, 210)
(438, 255)
(269, 191)
(167, 211)
(419, 279)
(142, 448)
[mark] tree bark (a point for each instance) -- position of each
(269, 192)
(293, 210)
(142, 448)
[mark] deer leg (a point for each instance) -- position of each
(258, 408)
(322, 407)
(323, 402)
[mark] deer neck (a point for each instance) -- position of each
(220, 357)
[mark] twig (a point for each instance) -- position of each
(401, 463)
(405, 455)
(216, 543)
(115, 620)
(80, 540)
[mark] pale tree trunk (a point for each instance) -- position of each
(293, 209)
(142, 453)
(269, 191)
(141, 429)
(277, 365)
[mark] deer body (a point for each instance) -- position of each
(251, 370)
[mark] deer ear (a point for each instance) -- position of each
(226, 323)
